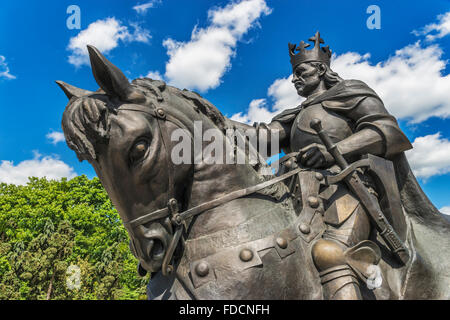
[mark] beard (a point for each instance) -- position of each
(300, 88)
(305, 88)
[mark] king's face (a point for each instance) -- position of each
(305, 78)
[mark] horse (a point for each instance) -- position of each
(208, 229)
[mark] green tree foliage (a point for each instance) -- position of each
(47, 228)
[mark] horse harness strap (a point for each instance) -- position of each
(178, 218)
(160, 119)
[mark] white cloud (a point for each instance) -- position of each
(47, 166)
(410, 83)
(4, 69)
(142, 8)
(430, 156)
(139, 34)
(283, 96)
(439, 29)
(104, 35)
(445, 210)
(55, 137)
(257, 112)
(155, 75)
(201, 62)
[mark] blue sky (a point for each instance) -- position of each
(235, 54)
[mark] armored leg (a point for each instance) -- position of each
(346, 225)
(338, 279)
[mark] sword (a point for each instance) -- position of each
(370, 205)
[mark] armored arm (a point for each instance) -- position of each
(365, 141)
(376, 132)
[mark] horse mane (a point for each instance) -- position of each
(196, 100)
(85, 126)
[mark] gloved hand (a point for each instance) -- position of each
(315, 156)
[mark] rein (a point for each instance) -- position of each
(172, 209)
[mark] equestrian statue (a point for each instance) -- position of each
(342, 217)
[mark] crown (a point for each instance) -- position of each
(317, 54)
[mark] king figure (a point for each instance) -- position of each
(358, 124)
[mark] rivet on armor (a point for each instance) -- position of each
(282, 242)
(246, 255)
(304, 228)
(202, 269)
(177, 219)
(173, 205)
(319, 176)
(288, 163)
(313, 202)
(161, 112)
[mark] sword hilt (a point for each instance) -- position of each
(316, 124)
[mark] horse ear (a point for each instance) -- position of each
(108, 76)
(72, 91)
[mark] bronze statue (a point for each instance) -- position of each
(358, 123)
(344, 218)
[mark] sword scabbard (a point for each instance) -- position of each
(370, 205)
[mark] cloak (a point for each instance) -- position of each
(353, 99)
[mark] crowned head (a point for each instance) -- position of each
(316, 54)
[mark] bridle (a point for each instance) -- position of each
(177, 219)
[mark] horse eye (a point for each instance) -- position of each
(138, 151)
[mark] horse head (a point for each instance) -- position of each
(122, 129)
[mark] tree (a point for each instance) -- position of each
(49, 229)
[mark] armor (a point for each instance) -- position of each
(303, 135)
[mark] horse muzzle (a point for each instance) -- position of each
(150, 244)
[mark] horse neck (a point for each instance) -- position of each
(211, 180)
(214, 181)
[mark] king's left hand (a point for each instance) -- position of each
(315, 156)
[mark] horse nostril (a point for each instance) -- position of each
(155, 249)
(154, 241)
(158, 248)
